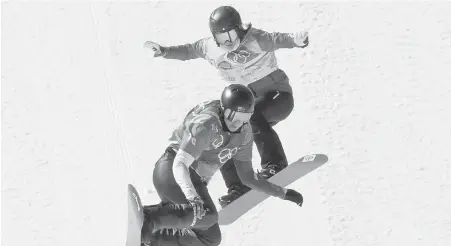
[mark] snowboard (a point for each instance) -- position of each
(135, 217)
(288, 175)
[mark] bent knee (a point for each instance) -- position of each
(216, 236)
(210, 219)
(211, 236)
(280, 110)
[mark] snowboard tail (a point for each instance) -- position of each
(135, 217)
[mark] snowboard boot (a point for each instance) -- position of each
(233, 193)
(148, 226)
(272, 154)
(270, 171)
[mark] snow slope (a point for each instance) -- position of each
(85, 110)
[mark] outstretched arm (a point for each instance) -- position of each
(243, 165)
(271, 41)
(184, 52)
(251, 179)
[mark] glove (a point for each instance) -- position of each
(198, 208)
(294, 196)
(301, 39)
(156, 48)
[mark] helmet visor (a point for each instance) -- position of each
(226, 38)
(237, 118)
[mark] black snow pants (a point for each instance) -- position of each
(172, 218)
(274, 103)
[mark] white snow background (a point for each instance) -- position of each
(86, 110)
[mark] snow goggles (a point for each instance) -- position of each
(226, 37)
(238, 117)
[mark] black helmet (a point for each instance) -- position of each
(238, 98)
(224, 19)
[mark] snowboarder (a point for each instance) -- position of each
(212, 133)
(245, 55)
